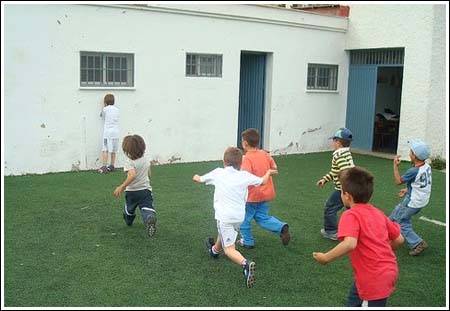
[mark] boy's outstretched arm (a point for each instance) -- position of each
(396, 243)
(321, 182)
(396, 163)
(196, 178)
(131, 175)
(273, 164)
(347, 245)
(326, 178)
(267, 175)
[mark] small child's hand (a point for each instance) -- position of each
(117, 191)
(321, 182)
(397, 160)
(196, 178)
(320, 258)
(402, 192)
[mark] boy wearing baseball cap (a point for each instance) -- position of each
(416, 194)
(342, 159)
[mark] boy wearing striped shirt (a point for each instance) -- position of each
(342, 159)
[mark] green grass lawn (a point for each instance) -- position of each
(66, 244)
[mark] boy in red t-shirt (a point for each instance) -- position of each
(369, 237)
(257, 162)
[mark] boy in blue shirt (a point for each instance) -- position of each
(416, 194)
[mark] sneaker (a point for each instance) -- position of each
(103, 170)
(240, 242)
(150, 225)
(209, 244)
(128, 219)
(326, 235)
(419, 248)
(111, 168)
(249, 273)
(285, 235)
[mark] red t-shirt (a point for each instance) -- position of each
(373, 260)
(258, 162)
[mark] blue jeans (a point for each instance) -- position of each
(140, 198)
(332, 206)
(402, 215)
(355, 301)
(260, 212)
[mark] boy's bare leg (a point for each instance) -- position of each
(230, 251)
(218, 245)
(105, 158)
(113, 158)
(234, 255)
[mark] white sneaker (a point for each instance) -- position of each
(326, 235)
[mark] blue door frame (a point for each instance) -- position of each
(252, 94)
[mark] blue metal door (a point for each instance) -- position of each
(251, 94)
(362, 86)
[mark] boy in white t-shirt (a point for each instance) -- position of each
(416, 194)
(230, 195)
(110, 133)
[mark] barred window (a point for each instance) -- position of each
(106, 69)
(322, 77)
(393, 56)
(203, 65)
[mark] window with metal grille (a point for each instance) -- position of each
(203, 65)
(377, 57)
(106, 69)
(322, 77)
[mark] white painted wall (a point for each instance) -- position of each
(420, 29)
(52, 125)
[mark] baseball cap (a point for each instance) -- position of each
(343, 133)
(420, 149)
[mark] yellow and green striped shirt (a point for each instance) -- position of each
(342, 159)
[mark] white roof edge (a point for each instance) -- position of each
(250, 13)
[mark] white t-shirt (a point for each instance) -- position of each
(111, 128)
(141, 181)
(418, 181)
(231, 191)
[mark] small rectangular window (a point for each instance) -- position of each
(106, 69)
(203, 65)
(322, 77)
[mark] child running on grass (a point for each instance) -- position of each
(416, 194)
(342, 159)
(369, 237)
(230, 194)
(257, 162)
(138, 191)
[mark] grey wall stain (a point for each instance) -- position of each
(43, 125)
(312, 130)
(76, 166)
(173, 159)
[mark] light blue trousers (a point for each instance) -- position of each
(402, 215)
(260, 212)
